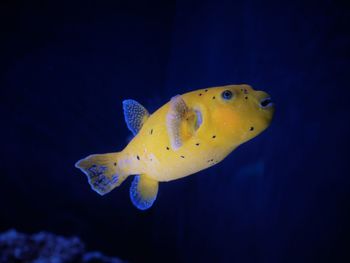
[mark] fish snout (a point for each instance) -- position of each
(263, 99)
(266, 103)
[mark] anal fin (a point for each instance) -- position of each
(143, 191)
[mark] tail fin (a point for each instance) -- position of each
(103, 171)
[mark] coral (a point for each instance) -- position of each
(45, 247)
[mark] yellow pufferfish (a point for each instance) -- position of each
(190, 133)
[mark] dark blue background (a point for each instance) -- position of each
(65, 68)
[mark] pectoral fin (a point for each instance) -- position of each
(182, 122)
(176, 114)
(143, 191)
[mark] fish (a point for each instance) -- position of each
(190, 133)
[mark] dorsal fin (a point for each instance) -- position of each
(135, 115)
(182, 122)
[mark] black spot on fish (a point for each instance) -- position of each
(214, 136)
(182, 156)
(197, 144)
(214, 98)
(168, 148)
(200, 94)
(246, 98)
(138, 157)
(115, 164)
(251, 128)
(206, 90)
(152, 131)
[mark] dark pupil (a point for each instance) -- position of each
(227, 95)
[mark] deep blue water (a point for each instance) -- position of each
(66, 67)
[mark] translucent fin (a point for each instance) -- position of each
(178, 120)
(135, 115)
(143, 191)
(102, 171)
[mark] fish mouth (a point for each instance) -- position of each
(266, 103)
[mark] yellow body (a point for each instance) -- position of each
(190, 133)
(226, 125)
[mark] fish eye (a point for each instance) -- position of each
(227, 95)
